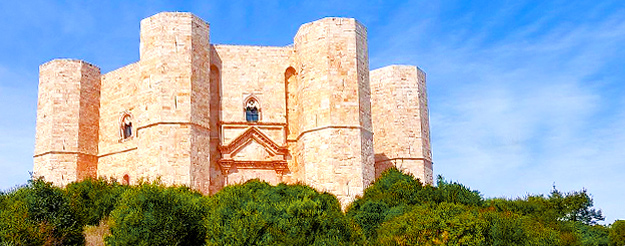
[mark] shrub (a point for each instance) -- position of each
(593, 235)
(394, 192)
(93, 199)
(152, 214)
(617, 233)
(457, 224)
(444, 224)
(38, 214)
(256, 213)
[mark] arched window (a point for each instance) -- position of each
(251, 110)
(126, 126)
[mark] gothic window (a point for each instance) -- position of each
(126, 127)
(251, 110)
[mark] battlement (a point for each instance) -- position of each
(207, 116)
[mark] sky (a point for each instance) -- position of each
(523, 95)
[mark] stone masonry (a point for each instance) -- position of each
(206, 116)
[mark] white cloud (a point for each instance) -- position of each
(515, 114)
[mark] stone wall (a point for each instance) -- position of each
(251, 72)
(186, 101)
(400, 121)
(122, 94)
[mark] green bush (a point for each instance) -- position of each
(152, 214)
(444, 224)
(256, 213)
(506, 228)
(457, 224)
(593, 235)
(38, 214)
(394, 192)
(558, 206)
(396, 210)
(453, 192)
(617, 233)
(93, 199)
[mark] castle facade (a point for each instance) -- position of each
(206, 116)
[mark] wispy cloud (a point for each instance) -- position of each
(515, 111)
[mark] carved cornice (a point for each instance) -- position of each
(117, 152)
(172, 123)
(331, 127)
(64, 153)
(404, 158)
(280, 166)
(259, 123)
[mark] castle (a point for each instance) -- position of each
(203, 115)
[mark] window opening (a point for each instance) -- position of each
(251, 111)
(126, 127)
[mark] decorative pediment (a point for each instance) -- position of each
(252, 134)
(253, 150)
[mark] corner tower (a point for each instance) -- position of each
(66, 144)
(401, 122)
(335, 140)
(174, 127)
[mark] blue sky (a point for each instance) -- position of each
(523, 94)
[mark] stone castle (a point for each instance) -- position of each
(206, 116)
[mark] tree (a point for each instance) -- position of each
(152, 214)
(395, 192)
(38, 214)
(593, 235)
(575, 206)
(93, 199)
(256, 213)
(442, 224)
(617, 233)
(558, 206)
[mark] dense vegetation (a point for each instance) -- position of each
(396, 210)
(257, 213)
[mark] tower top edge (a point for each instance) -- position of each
(333, 20)
(397, 67)
(68, 61)
(175, 14)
